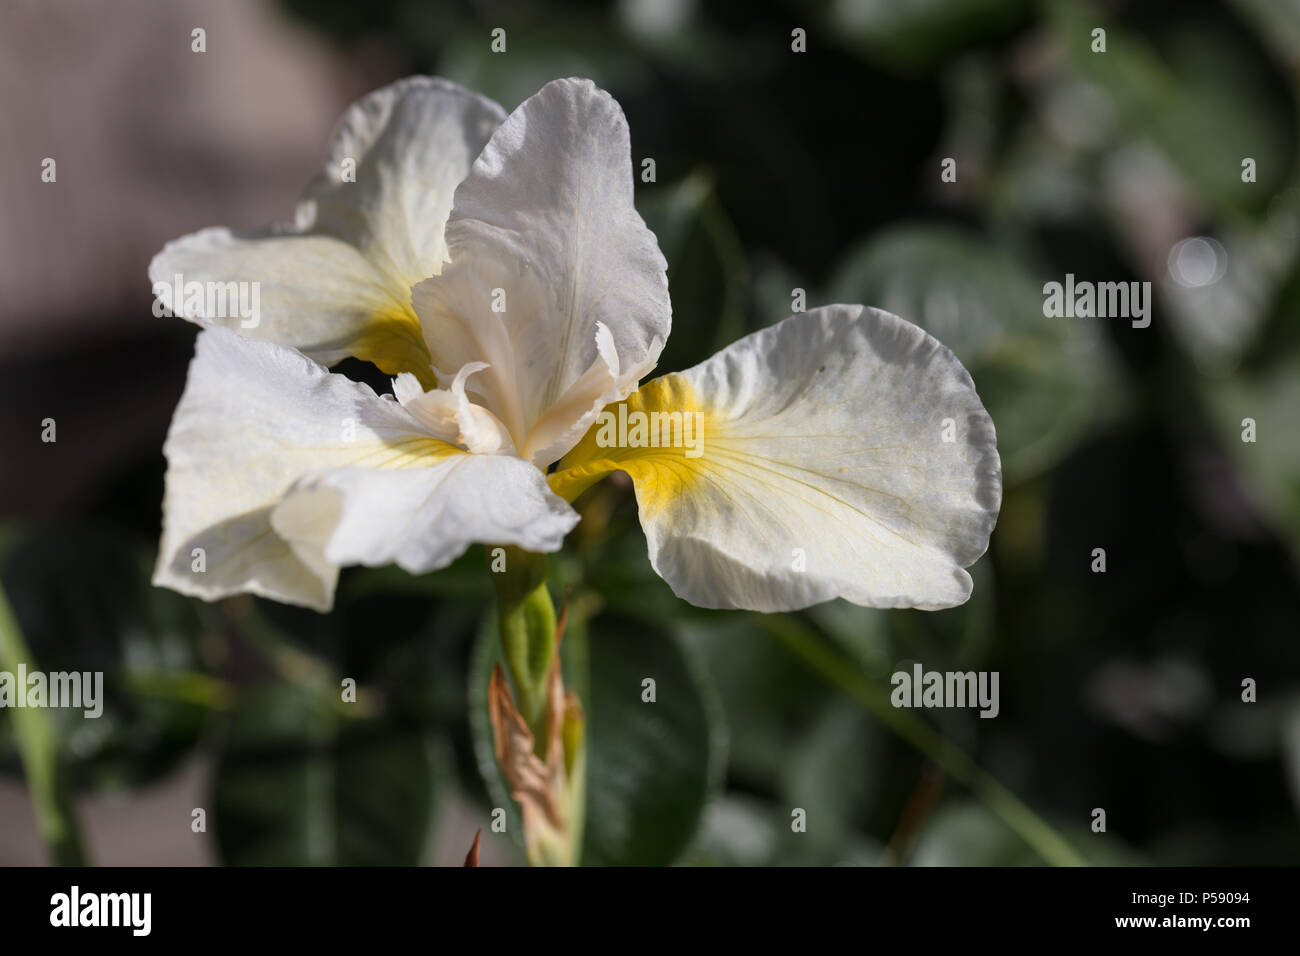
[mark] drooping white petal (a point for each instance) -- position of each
(254, 420)
(546, 245)
(337, 281)
(423, 518)
(843, 453)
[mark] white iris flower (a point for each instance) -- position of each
(840, 453)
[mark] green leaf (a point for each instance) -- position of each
(1042, 379)
(651, 766)
(298, 782)
(769, 700)
(36, 738)
(83, 600)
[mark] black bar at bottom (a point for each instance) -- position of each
(492, 907)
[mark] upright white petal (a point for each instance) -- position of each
(257, 421)
(546, 245)
(567, 419)
(337, 281)
(844, 453)
(414, 142)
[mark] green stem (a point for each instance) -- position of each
(1031, 828)
(527, 624)
(38, 747)
(529, 645)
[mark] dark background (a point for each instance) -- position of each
(775, 170)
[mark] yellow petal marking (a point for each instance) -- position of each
(392, 340)
(661, 474)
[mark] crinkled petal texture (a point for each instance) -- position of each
(337, 282)
(281, 472)
(841, 453)
(555, 282)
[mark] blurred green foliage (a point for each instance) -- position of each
(819, 171)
